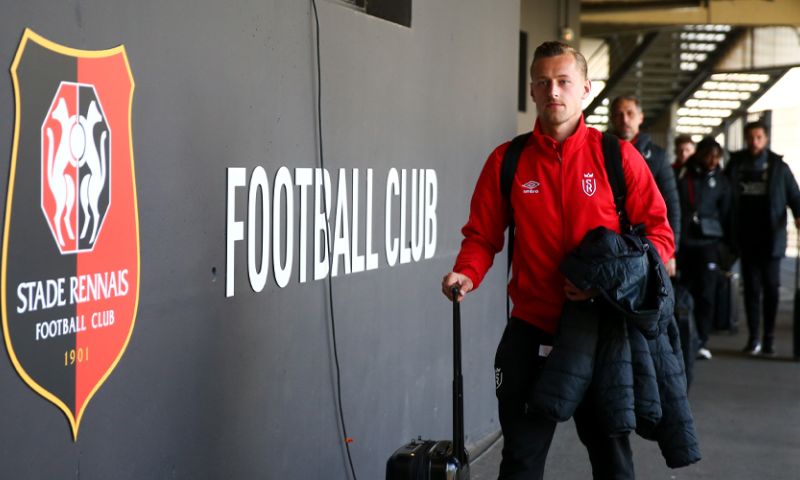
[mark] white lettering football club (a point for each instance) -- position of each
(43, 295)
(411, 194)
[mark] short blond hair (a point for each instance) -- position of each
(554, 49)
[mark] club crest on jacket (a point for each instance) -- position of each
(588, 184)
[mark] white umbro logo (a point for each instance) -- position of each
(530, 187)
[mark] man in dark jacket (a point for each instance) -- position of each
(705, 199)
(684, 148)
(763, 187)
(626, 118)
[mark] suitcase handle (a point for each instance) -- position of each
(796, 307)
(458, 382)
(797, 264)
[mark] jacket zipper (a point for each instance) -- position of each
(561, 203)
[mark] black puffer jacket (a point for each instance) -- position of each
(624, 347)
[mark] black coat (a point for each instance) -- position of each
(782, 190)
(624, 347)
(662, 171)
(708, 198)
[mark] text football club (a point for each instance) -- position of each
(70, 274)
(296, 241)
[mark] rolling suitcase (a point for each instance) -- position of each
(442, 459)
(726, 307)
(684, 317)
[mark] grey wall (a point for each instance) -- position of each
(244, 387)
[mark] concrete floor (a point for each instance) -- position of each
(746, 410)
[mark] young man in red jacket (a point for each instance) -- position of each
(559, 193)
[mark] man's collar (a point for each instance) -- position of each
(640, 140)
(575, 137)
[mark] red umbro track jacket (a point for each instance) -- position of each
(559, 193)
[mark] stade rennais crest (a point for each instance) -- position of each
(70, 271)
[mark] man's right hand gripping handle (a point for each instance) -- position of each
(459, 280)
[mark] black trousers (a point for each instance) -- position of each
(701, 280)
(527, 435)
(761, 279)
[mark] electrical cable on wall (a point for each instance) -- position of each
(330, 250)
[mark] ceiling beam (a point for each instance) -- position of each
(703, 74)
(622, 70)
(605, 6)
(727, 12)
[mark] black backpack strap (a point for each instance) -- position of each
(510, 161)
(616, 178)
(507, 171)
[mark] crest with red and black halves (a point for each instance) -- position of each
(70, 272)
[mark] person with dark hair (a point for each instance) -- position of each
(763, 187)
(626, 118)
(560, 191)
(705, 200)
(684, 148)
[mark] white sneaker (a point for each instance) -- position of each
(704, 354)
